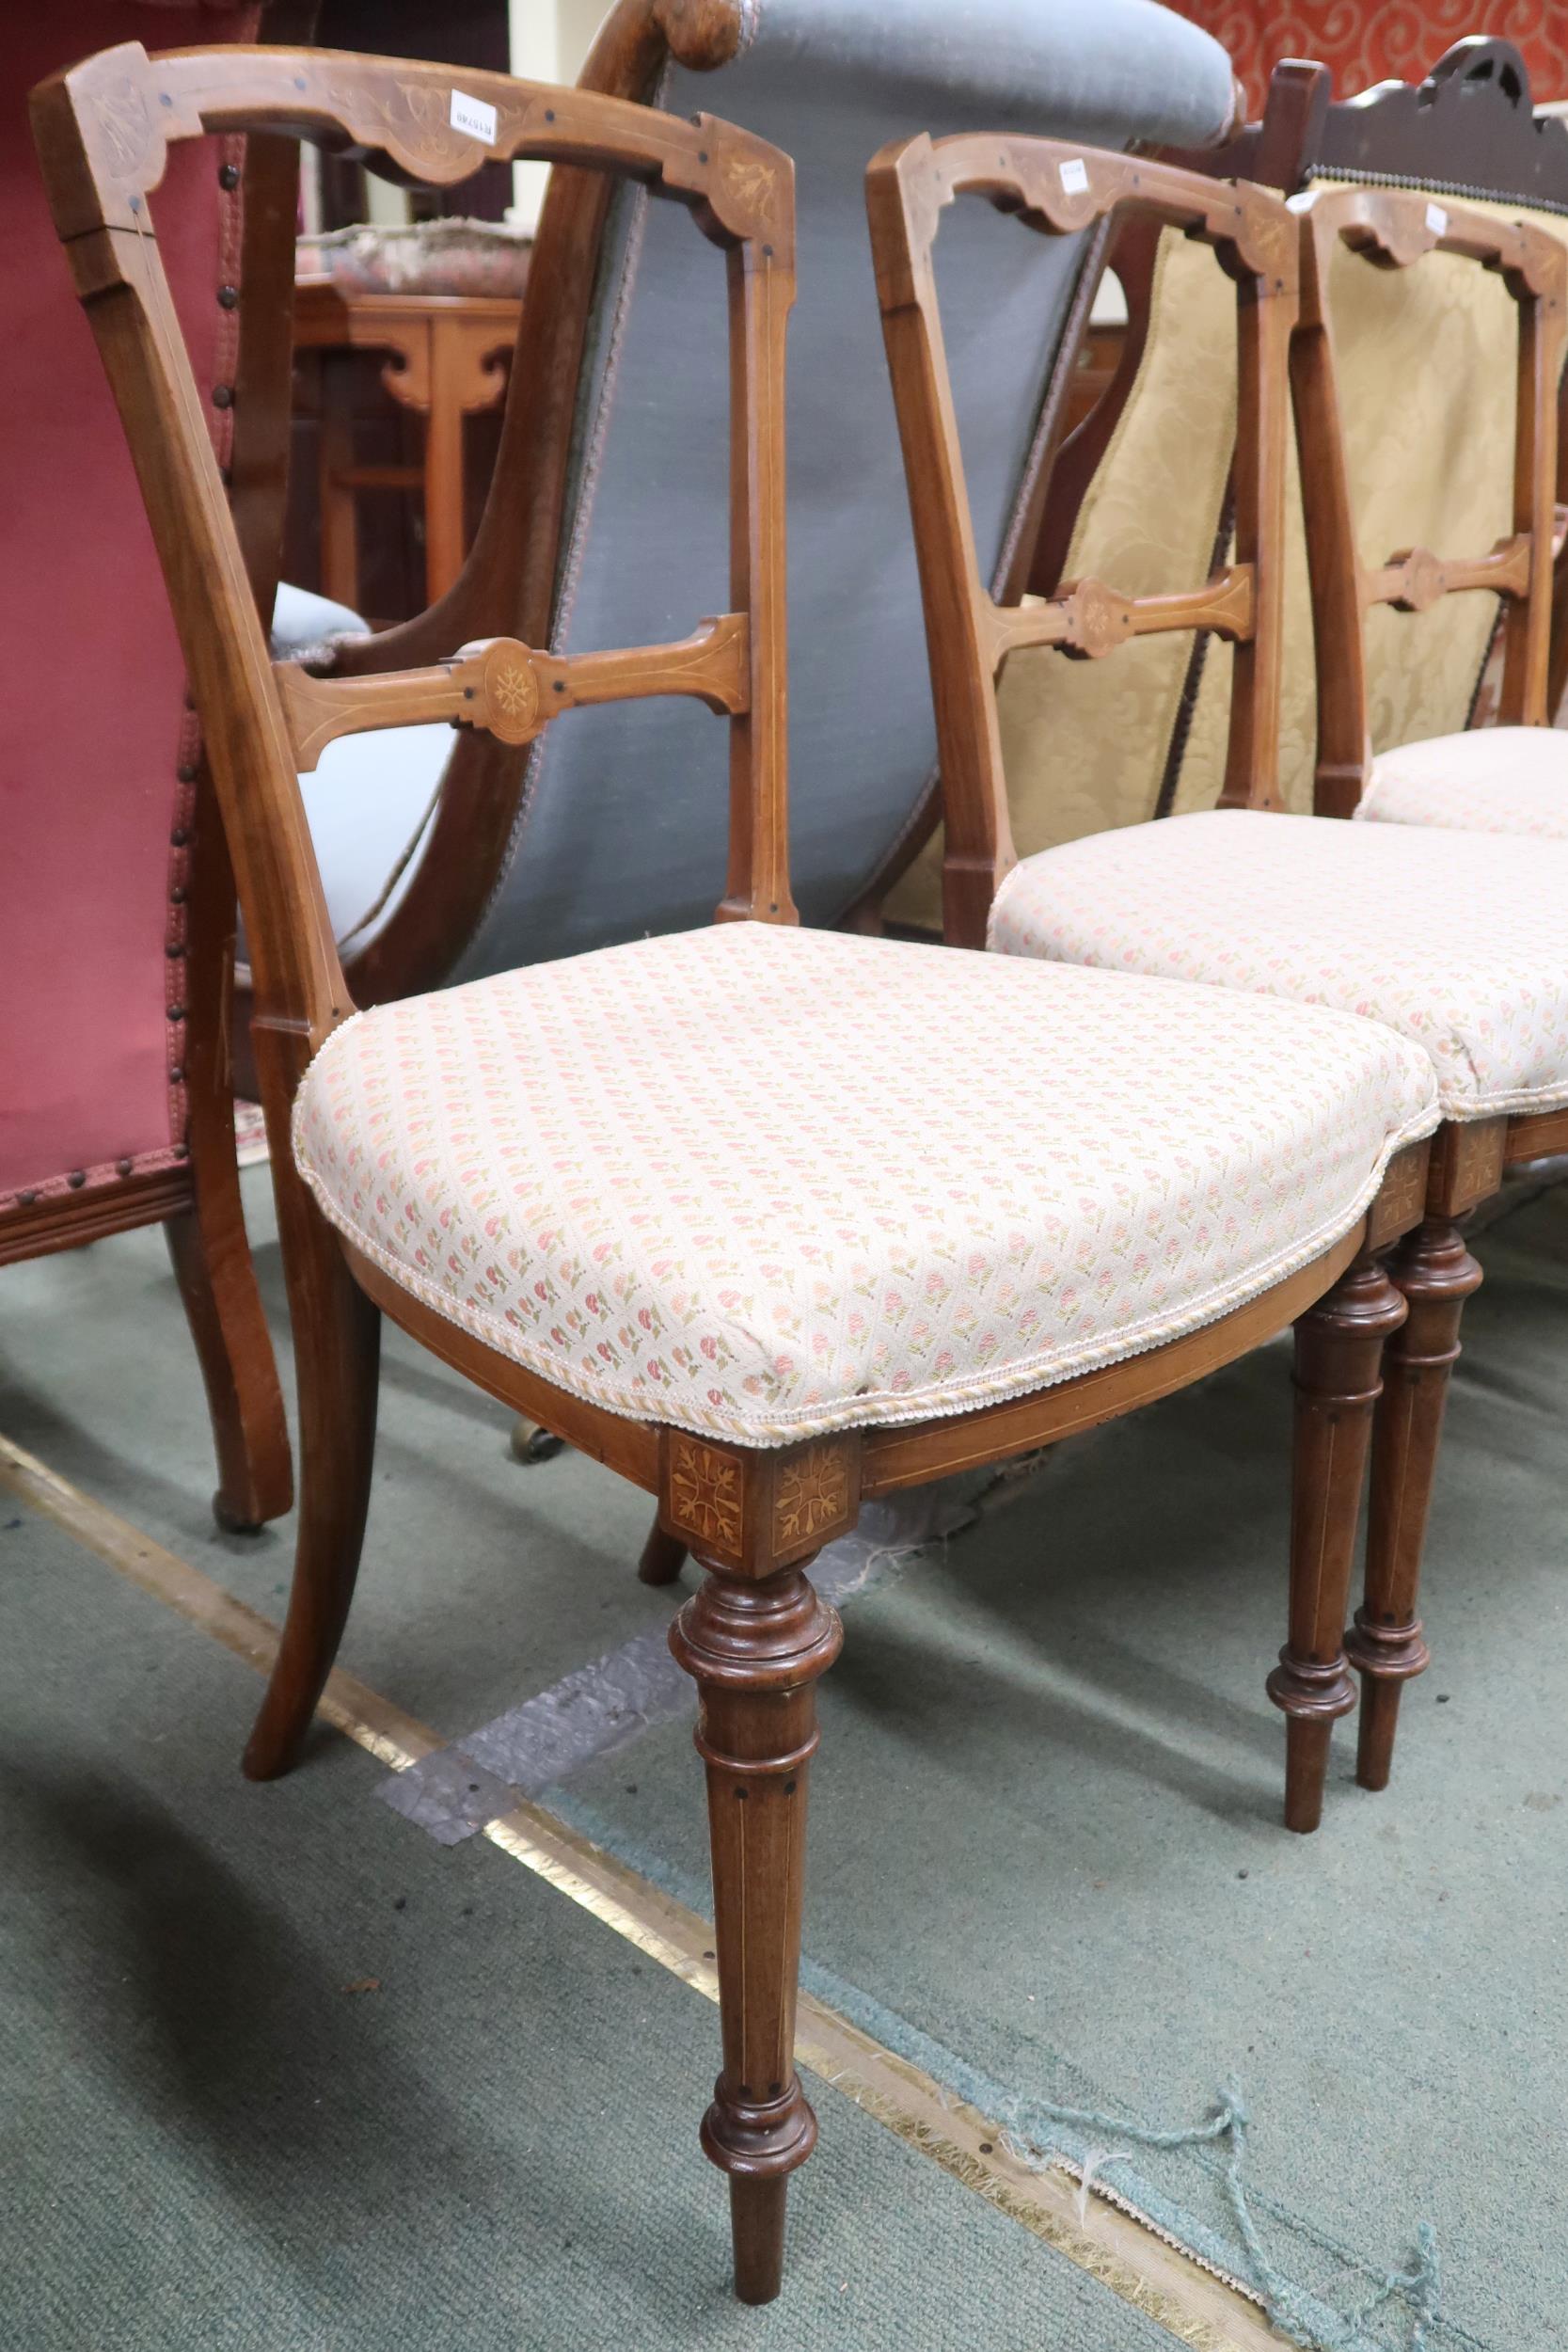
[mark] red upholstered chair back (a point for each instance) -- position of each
(96, 748)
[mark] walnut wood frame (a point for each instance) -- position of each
(755, 1636)
(1057, 189)
(1467, 129)
(907, 187)
(513, 565)
(1394, 229)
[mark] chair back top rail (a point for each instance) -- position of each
(102, 131)
(1056, 189)
(1393, 229)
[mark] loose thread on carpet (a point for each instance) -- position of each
(1418, 2287)
(1023, 2126)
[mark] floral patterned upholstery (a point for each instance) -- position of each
(1459, 941)
(1491, 780)
(764, 1183)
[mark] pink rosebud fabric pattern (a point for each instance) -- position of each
(1489, 780)
(1458, 940)
(763, 1183)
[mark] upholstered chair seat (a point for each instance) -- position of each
(1458, 940)
(1490, 780)
(987, 1178)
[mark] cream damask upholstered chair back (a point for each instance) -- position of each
(1097, 745)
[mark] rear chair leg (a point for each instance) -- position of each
(207, 1242)
(212, 1262)
(1338, 1345)
(336, 1354)
(663, 1557)
(756, 1648)
(1437, 1274)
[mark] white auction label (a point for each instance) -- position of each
(474, 117)
(1075, 177)
(1437, 220)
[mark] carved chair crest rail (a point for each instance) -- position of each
(1054, 189)
(1394, 230)
(671, 1176)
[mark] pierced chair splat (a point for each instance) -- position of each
(1456, 942)
(678, 1199)
(1511, 778)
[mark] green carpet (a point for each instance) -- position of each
(277, 2073)
(1045, 1857)
(1045, 1851)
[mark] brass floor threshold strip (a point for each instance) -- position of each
(1158, 2278)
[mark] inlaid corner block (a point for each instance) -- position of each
(755, 1637)
(750, 1511)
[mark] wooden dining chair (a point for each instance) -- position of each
(1140, 492)
(1455, 941)
(750, 1213)
(607, 494)
(117, 903)
(1510, 778)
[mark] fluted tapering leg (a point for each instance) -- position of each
(1437, 1274)
(756, 1647)
(1339, 1345)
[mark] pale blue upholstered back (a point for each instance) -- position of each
(624, 828)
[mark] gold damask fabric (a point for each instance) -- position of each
(1084, 742)
(1426, 377)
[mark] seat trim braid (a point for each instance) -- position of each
(773, 1422)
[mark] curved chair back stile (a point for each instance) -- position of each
(106, 132)
(607, 498)
(1392, 231)
(1140, 489)
(116, 905)
(1057, 191)
(1432, 928)
(732, 1209)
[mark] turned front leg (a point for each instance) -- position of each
(755, 1648)
(1437, 1274)
(1338, 1346)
